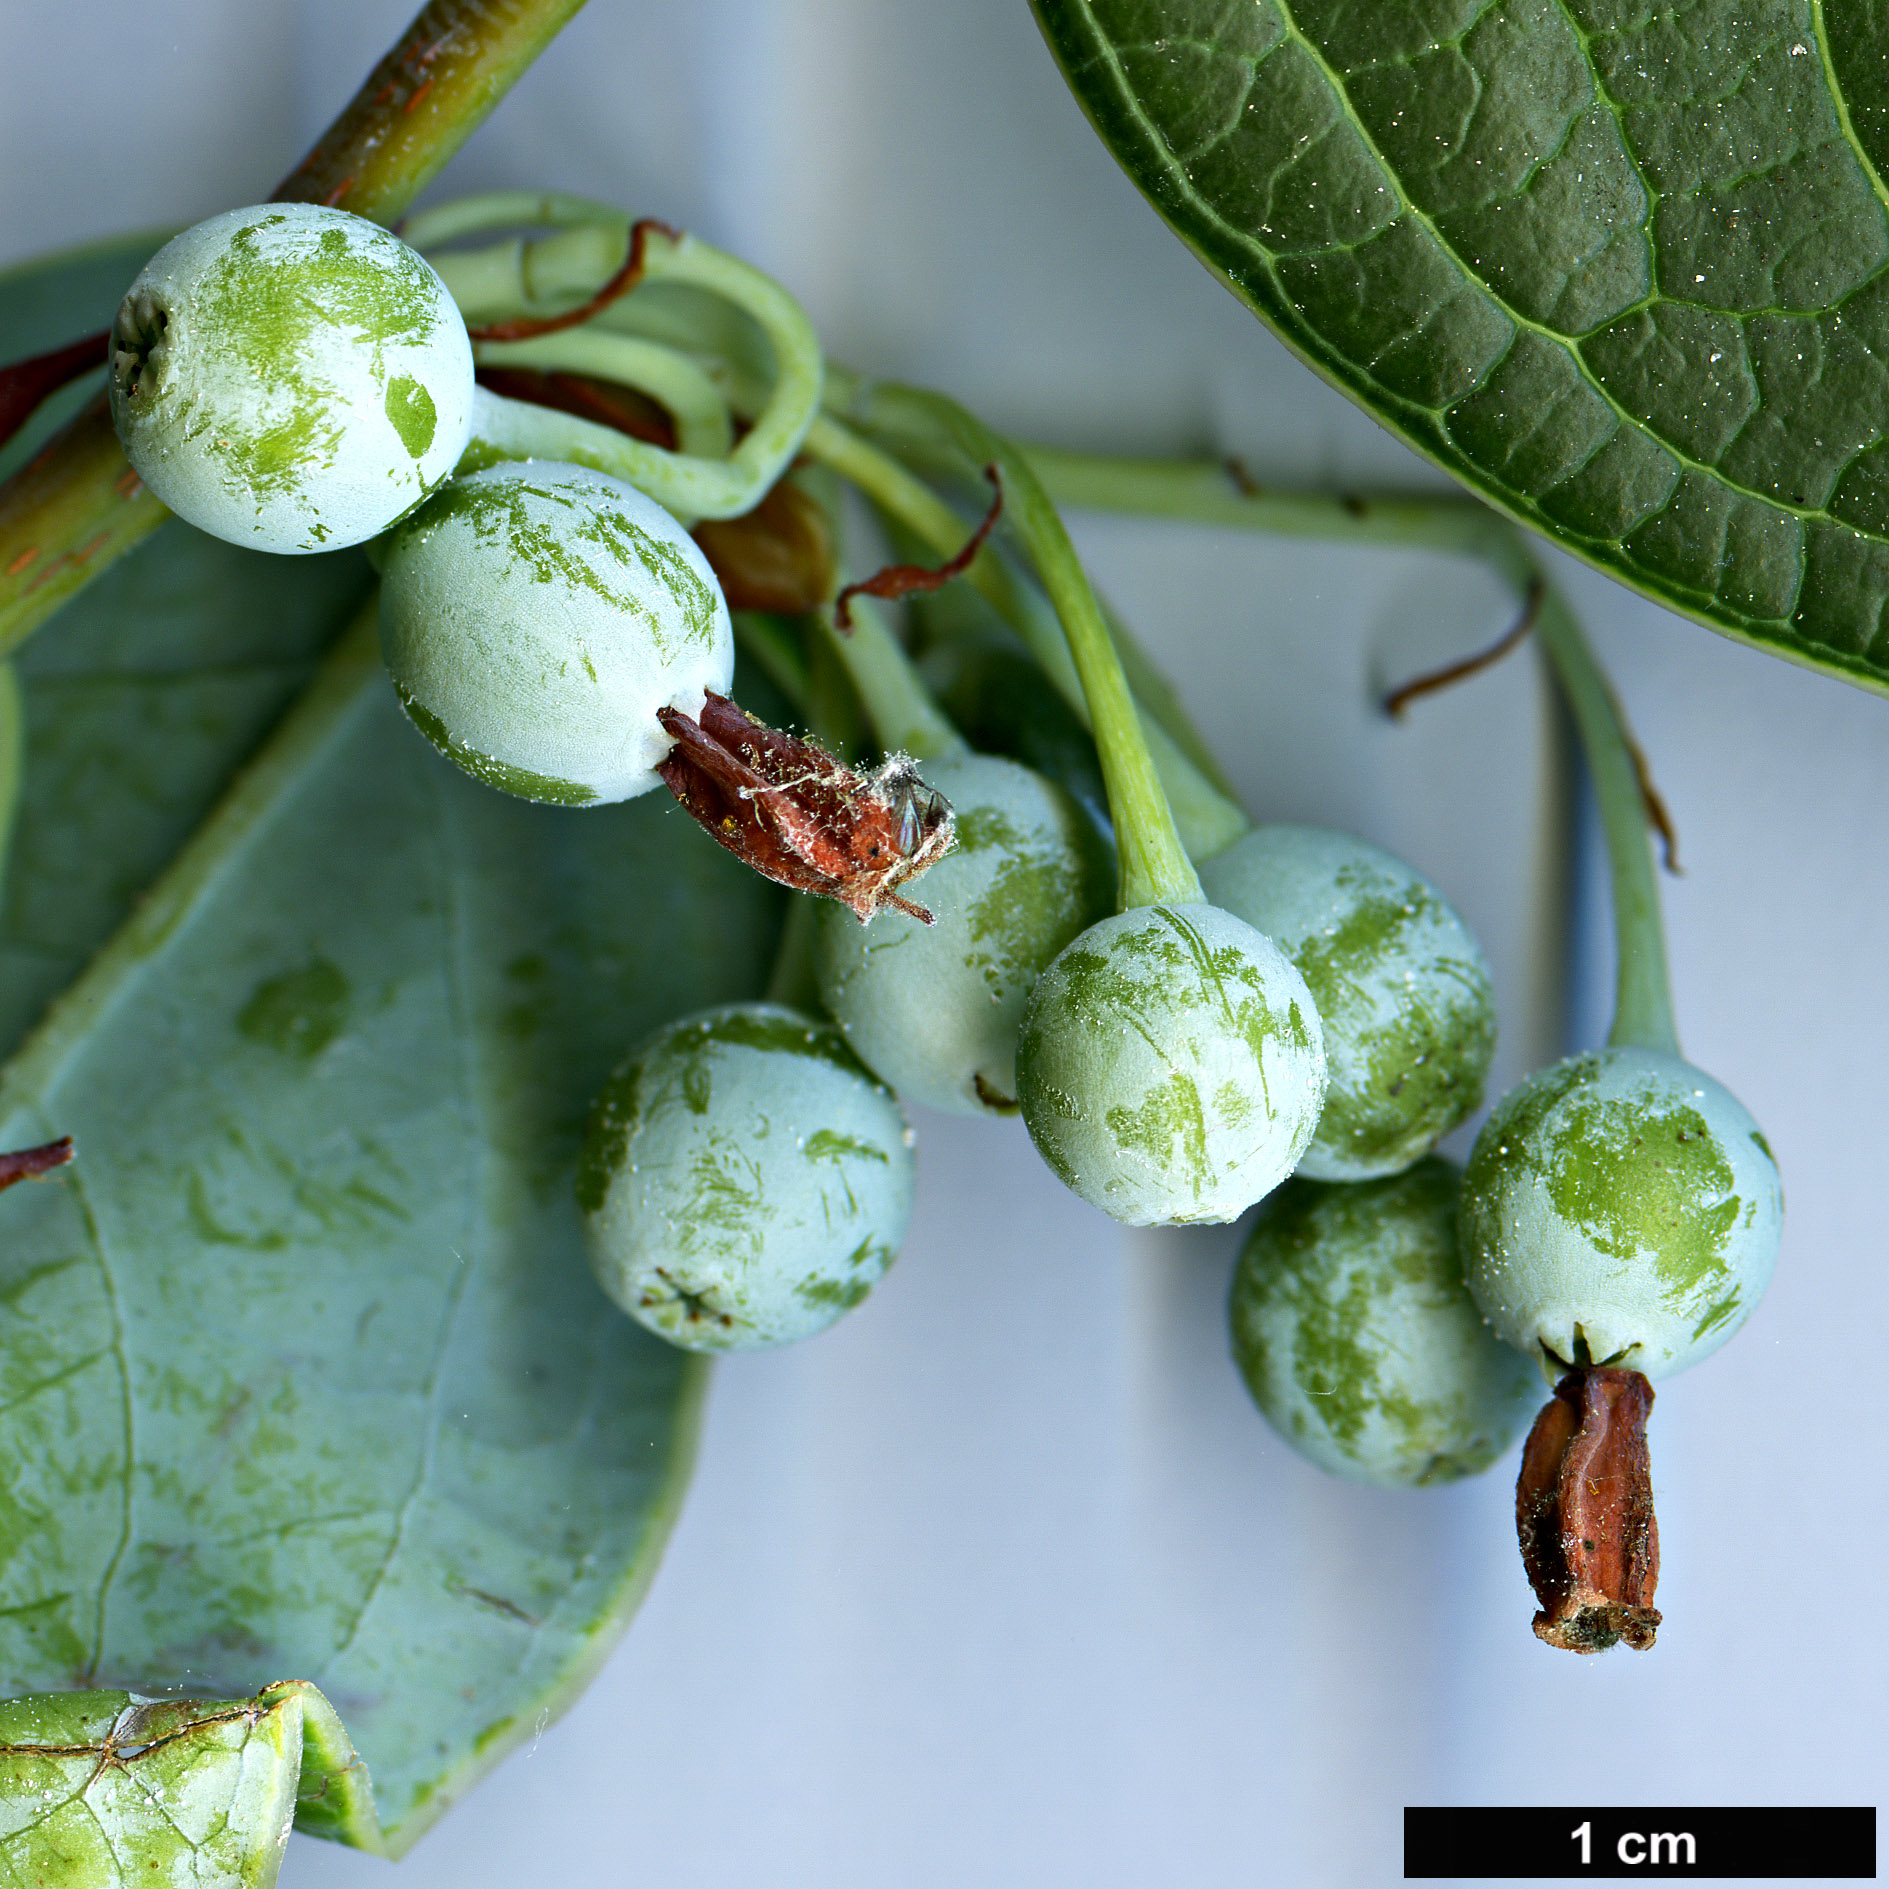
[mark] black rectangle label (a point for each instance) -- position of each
(1803, 1843)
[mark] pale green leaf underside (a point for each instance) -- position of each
(146, 692)
(302, 1366)
(104, 1790)
(1622, 268)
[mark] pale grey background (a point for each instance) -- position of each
(1002, 1581)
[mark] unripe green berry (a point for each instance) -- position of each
(744, 1180)
(290, 377)
(1620, 1208)
(1171, 1065)
(1401, 987)
(1361, 1346)
(935, 1009)
(535, 616)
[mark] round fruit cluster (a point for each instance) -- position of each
(1185, 1012)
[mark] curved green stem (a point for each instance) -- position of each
(1210, 492)
(793, 980)
(704, 426)
(1643, 1001)
(1205, 493)
(686, 484)
(1155, 868)
(904, 713)
(507, 209)
(1209, 820)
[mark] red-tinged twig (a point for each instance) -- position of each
(25, 384)
(1400, 699)
(905, 580)
(28, 1164)
(620, 284)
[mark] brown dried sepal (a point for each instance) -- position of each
(906, 580)
(777, 557)
(800, 817)
(28, 1164)
(1584, 1513)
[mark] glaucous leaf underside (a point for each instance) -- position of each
(304, 1370)
(1622, 269)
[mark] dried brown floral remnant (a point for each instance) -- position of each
(1584, 1513)
(28, 1164)
(905, 580)
(778, 557)
(799, 816)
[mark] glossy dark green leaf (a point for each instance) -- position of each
(1623, 269)
(105, 1790)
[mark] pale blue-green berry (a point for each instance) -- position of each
(1171, 1065)
(935, 1009)
(1400, 984)
(1620, 1208)
(535, 616)
(1358, 1340)
(744, 1179)
(290, 378)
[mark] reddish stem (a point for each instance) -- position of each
(905, 580)
(28, 1164)
(26, 383)
(620, 284)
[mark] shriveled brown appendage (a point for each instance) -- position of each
(799, 816)
(1584, 1513)
(28, 1164)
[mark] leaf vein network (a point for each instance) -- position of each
(1523, 501)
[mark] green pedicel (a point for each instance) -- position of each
(1620, 1208)
(1358, 1341)
(744, 1180)
(1170, 1065)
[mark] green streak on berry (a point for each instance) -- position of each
(774, 1033)
(1420, 1066)
(411, 413)
(1717, 1316)
(842, 1296)
(827, 1146)
(1357, 1339)
(272, 313)
(508, 779)
(1169, 1127)
(1638, 1180)
(299, 1013)
(498, 516)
